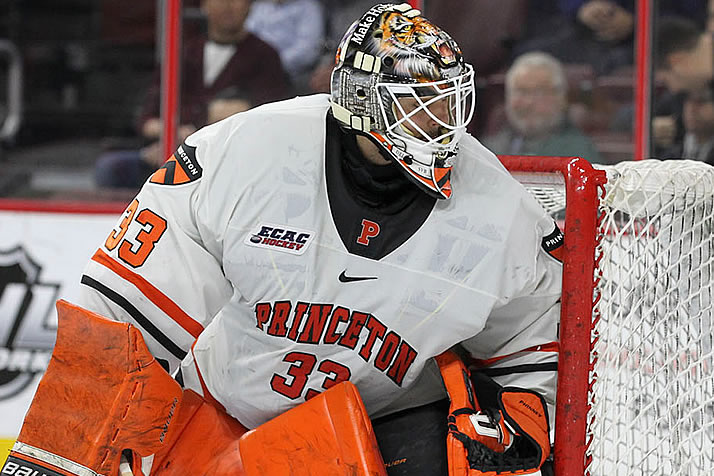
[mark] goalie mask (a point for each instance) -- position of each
(402, 82)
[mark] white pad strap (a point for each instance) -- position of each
(342, 114)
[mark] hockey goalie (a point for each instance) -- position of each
(282, 295)
(106, 407)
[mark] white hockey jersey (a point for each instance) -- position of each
(233, 244)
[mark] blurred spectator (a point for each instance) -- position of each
(695, 10)
(698, 120)
(607, 20)
(698, 117)
(339, 16)
(296, 29)
(667, 128)
(228, 102)
(486, 30)
(536, 109)
(228, 57)
(683, 55)
(499, 26)
(130, 168)
(684, 64)
(595, 32)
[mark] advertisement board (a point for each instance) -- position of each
(43, 249)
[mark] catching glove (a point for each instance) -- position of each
(492, 429)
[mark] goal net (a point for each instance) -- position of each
(644, 389)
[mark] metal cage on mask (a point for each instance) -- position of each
(419, 124)
(447, 105)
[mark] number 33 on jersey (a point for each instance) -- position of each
(134, 250)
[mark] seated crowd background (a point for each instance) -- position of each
(554, 77)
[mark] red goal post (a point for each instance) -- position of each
(572, 179)
(636, 359)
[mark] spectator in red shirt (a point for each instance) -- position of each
(228, 56)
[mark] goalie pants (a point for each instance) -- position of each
(413, 441)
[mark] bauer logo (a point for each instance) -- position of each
(17, 467)
(280, 238)
(26, 309)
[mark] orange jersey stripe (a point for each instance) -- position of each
(163, 302)
(549, 347)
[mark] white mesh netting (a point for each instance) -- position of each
(653, 380)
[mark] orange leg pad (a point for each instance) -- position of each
(329, 434)
(102, 392)
(206, 442)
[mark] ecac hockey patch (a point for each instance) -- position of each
(182, 167)
(553, 243)
(280, 238)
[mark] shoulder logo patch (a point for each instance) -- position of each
(280, 238)
(182, 167)
(553, 243)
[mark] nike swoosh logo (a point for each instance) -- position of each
(349, 279)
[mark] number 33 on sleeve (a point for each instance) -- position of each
(134, 250)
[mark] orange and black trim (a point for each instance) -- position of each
(153, 294)
(140, 319)
(483, 365)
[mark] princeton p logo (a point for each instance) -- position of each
(370, 229)
(182, 167)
